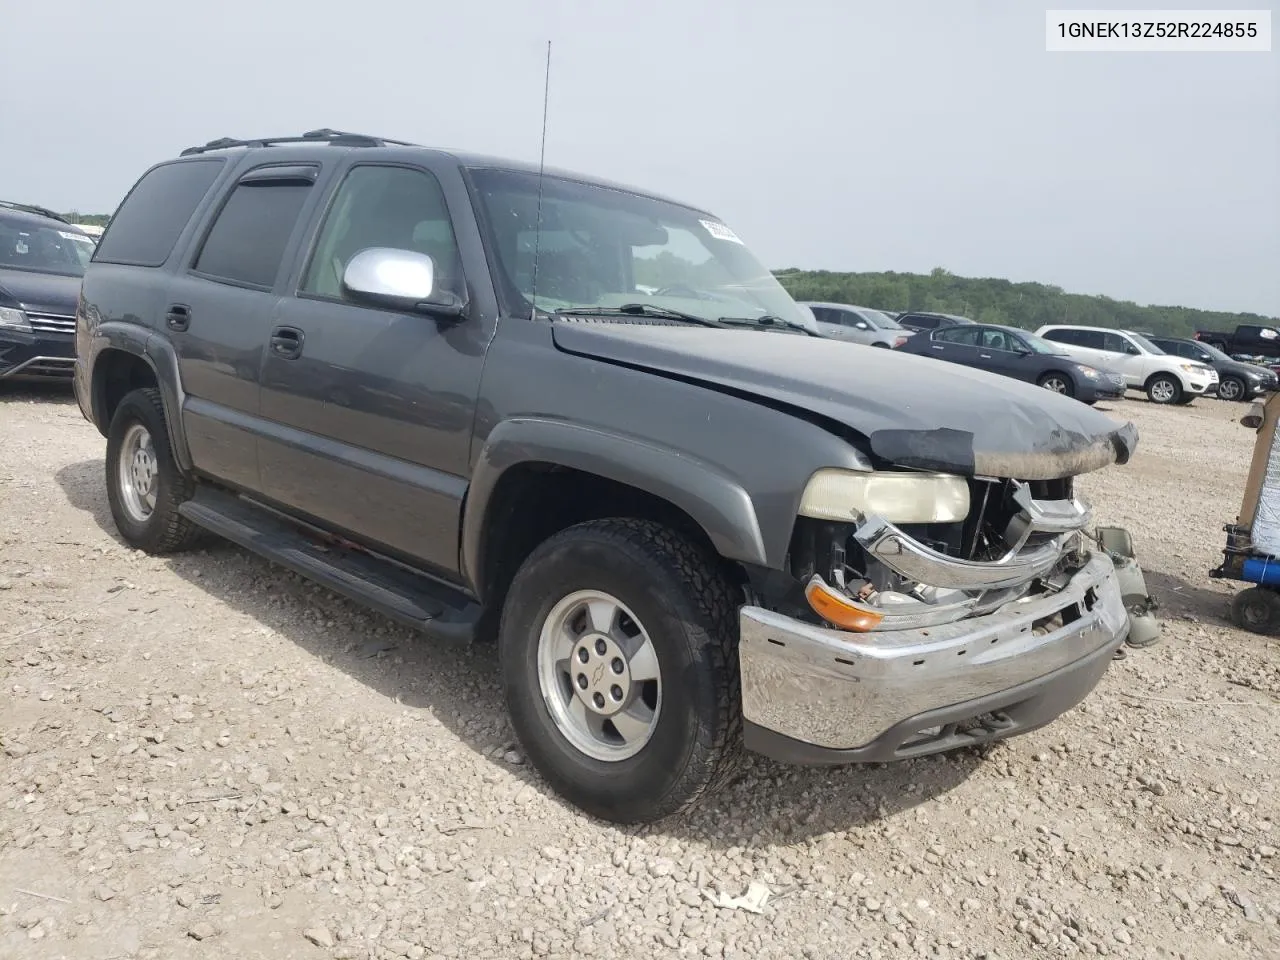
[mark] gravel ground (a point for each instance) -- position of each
(204, 756)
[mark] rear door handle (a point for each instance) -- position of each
(985, 356)
(938, 348)
(286, 342)
(178, 317)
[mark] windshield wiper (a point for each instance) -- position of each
(768, 320)
(637, 310)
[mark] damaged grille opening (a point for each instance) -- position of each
(997, 523)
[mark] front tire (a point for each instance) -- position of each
(1256, 610)
(1231, 388)
(618, 648)
(144, 484)
(1164, 389)
(1058, 383)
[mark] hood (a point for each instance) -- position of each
(913, 411)
(40, 292)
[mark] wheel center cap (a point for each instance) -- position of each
(601, 675)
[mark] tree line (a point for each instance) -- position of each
(988, 300)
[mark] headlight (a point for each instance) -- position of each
(1254, 374)
(1191, 368)
(14, 319)
(897, 497)
(1089, 372)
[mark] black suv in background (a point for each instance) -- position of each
(917, 320)
(1236, 380)
(42, 258)
(491, 401)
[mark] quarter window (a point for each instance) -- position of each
(147, 225)
(384, 207)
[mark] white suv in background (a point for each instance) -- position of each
(1144, 366)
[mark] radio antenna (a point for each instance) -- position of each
(542, 162)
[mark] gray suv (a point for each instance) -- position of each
(494, 402)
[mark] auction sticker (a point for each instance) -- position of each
(720, 231)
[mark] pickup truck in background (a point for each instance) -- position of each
(1247, 340)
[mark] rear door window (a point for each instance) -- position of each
(247, 241)
(150, 220)
(965, 336)
(923, 323)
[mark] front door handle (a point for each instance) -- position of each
(178, 317)
(985, 356)
(286, 342)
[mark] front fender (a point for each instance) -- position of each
(716, 502)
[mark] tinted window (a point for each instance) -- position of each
(384, 207)
(923, 323)
(247, 241)
(145, 228)
(821, 314)
(1064, 336)
(968, 336)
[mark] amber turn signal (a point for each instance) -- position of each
(835, 608)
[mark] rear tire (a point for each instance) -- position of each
(1231, 388)
(144, 484)
(1164, 389)
(1058, 383)
(580, 613)
(1256, 610)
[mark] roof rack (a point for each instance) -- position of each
(335, 138)
(32, 208)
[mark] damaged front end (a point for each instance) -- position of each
(873, 575)
(892, 638)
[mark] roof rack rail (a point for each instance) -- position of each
(335, 138)
(32, 208)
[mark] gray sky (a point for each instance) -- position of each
(838, 134)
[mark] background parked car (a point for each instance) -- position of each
(1236, 380)
(916, 320)
(1018, 354)
(1144, 366)
(858, 324)
(1249, 339)
(42, 258)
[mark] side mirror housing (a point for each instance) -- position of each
(401, 279)
(862, 325)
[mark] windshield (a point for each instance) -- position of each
(881, 320)
(1145, 344)
(601, 247)
(1041, 345)
(27, 245)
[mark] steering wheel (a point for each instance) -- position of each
(679, 290)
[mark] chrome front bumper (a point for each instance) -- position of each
(843, 692)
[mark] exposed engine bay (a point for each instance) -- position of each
(1019, 538)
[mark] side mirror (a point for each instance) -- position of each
(402, 279)
(862, 325)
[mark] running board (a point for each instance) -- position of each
(395, 591)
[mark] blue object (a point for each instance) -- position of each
(1264, 570)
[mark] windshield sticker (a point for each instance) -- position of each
(720, 231)
(71, 236)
